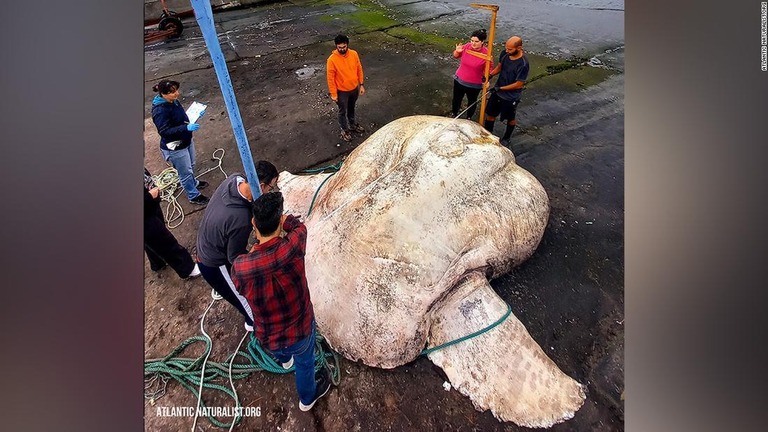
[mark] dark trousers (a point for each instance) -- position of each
(346, 101)
(218, 278)
(459, 90)
(162, 247)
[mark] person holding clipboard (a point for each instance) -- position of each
(176, 143)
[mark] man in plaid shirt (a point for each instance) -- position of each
(271, 277)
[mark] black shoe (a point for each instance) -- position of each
(157, 269)
(505, 143)
(200, 200)
(323, 385)
(202, 184)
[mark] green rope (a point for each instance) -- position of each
(427, 351)
(312, 204)
(186, 371)
(267, 362)
(334, 167)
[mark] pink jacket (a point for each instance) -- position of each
(471, 68)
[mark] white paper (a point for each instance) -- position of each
(195, 111)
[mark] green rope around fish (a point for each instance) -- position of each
(427, 351)
(333, 169)
(186, 371)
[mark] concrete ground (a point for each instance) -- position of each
(569, 294)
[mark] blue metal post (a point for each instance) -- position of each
(204, 17)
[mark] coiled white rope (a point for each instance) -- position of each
(168, 183)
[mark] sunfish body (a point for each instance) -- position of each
(401, 244)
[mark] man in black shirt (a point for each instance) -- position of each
(512, 70)
(161, 246)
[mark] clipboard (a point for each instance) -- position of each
(195, 111)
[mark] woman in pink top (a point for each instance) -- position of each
(469, 76)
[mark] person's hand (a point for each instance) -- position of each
(334, 98)
(155, 192)
(362, 90)
(193, 127)
(459, 47)
(283, 227)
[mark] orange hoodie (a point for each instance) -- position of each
(344, 72)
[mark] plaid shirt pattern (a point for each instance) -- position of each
(271, 277)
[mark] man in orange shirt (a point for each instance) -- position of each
(345, 84)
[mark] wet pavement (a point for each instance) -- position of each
(556, 27)
(569, 294)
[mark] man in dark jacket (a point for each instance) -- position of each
(512, 70)
(161, 246)
(176, 143)
(224, 232)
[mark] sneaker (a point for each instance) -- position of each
(249, 328)
(323, 385)
(346, 136)
(202, 184)
(357, 128)
(287, 365)
(200, 200)
(195, 272)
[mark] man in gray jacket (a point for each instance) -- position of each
(224, 232)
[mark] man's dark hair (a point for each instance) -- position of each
(341, 39)
(165, 86)
(480, 34)
(266, 171)
(267, 210)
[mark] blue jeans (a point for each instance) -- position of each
(184, 162)
(303, 353)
